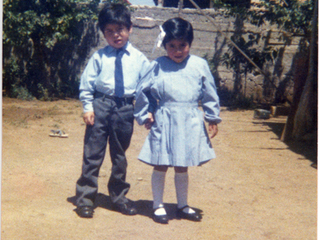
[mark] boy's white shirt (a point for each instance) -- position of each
(99, 74)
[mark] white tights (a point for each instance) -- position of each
(181, 184)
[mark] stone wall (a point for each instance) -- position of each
(208, 41)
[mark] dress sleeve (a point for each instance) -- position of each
(144, 66)
(87, 83)
(144, 101)
(210, 98)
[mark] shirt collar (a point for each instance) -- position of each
(127, 48)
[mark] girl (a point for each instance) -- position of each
(167, 103)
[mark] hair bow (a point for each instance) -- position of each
(160, 38)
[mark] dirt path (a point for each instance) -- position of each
(257, 188)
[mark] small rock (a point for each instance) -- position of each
(261, 114)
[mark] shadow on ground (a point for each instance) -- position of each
(308, 149)
(144, 207)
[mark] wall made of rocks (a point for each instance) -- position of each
(209, 41)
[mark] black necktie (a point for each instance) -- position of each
(118, 74)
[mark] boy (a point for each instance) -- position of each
(107, 95)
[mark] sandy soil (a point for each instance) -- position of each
(257, 188)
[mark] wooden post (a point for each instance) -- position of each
(180, 5)
(211, 4)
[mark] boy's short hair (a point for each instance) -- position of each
(177, 28)
(114, 14)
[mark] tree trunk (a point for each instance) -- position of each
(300, 75)
(305, 120)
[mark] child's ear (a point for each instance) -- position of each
(130, 29)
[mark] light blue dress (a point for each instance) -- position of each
(173, 92)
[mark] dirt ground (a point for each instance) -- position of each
(257, 188)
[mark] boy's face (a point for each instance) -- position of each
(116, 35)
(177, 50)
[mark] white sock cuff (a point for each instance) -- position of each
(158, 172)
(181, 179)
(181, 175)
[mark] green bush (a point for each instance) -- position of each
(45, 46)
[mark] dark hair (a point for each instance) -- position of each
(177, 28)
(114, 14)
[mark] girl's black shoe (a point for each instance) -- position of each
(196, 217)
(163, 219)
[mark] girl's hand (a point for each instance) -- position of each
(88, 118)
(150, 121)
(213, 129)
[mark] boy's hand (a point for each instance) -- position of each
(150, 121)
(213, 129)
(88, 118)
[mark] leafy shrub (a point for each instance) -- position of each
(45, 45)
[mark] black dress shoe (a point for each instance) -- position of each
(196, 217)
(85, 211)
(127, 208)
(163, 219)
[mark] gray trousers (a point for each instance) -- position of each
(114, 123)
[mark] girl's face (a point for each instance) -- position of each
(177, 50)
(116, 35)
